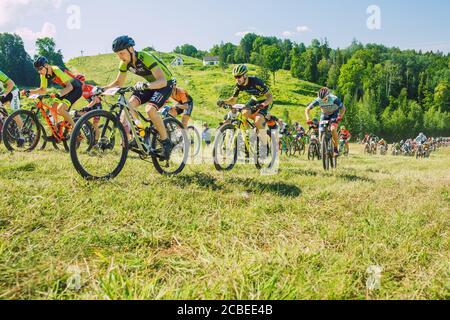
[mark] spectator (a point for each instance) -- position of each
(206, 135)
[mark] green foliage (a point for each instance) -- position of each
(273, 59)
(47, 47)
(15, 62)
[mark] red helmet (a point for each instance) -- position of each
(323, 93)
(80, 77)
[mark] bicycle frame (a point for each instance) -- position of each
(58, 133)
(122, 105)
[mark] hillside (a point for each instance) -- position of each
(205, 84)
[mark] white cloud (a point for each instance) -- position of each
(13, 11)
(48, 30)
(303, 29)
(287, 34)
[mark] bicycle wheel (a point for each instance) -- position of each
(180, 152)
(105, 158)
(24, 139)
(225, 152)
(325, 153)
(266, 155)
(195, 141)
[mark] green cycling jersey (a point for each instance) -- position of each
(59, 77)
(145, 63)
(4, 80)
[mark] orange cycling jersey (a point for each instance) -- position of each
(181, 96)
(59, 77)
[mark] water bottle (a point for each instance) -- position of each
(140, 128)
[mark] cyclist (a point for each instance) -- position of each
(333, 110)
(154, 92)
(94, 103)
(184, 105)
(10, 95)
(421, 139)
(258, 106)
(346, 136)
(314, 126)
(72, 88)
(11, 92)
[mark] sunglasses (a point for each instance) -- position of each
(238, 77)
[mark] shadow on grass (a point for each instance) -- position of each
(200, 179)
(303, 172)
(276, 188)
(15, 169)
(354, 178)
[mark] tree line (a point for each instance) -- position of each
(390, 92)
(18, 64)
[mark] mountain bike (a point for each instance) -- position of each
(314, 146)
(240, 137)
(106, 157)
(343, 150)
(299, 145)
(3, 116)
(26, 138)
(195, 139)
(327, 146)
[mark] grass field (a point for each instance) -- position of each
(301, 234)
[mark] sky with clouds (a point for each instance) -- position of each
(90, 26)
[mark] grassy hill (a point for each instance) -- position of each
(300, 234)
(205, 84)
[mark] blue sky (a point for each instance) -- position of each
(166, 24)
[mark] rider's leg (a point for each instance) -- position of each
(63, 110)
(185, 120)
(260, 122)
(152, 112)
(133, 104)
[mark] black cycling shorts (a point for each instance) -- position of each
(157, 97)
(73, 96)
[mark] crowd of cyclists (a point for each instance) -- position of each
(420, 147)
(158, 87)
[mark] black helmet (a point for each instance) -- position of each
(324, 93)
(40, 62)
(122, 43)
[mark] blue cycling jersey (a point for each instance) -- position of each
(331, 106)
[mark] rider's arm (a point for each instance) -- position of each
(161, 81)
(269, 99)
(9, 87)
(119, 82)
(43, 88)
(67, 89)
(311, 106)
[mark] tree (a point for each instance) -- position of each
(187, 50)
(323, 69)
(47, 47)
(333, 76)
(273, 59)
(442, 96)
(246, 46)
(15, 62)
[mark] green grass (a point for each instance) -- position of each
(204, 84)
(301, 234)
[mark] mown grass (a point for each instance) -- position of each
(301, 234)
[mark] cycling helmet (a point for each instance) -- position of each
(324, 93)
(122, 43)
(80, 77)
(40, 62)
(240, 70)
(315, 120)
